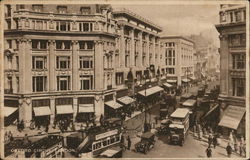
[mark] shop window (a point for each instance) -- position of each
(39, 83)
(86, 100)
(119, 79)
(239, 87)
(63, 62)
(64, 101)
(63, 83)
(39, 62)
(40, 102)
(86, 62)
(86, 82)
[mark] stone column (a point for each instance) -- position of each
(224, 64)
(52, 66)
(25, 111)
(28, 66)
(122, 48)
(14, 83)
(153, 53)
(99, 105)
(22, 64)
(75, 108)
(75, 62)
(132, 49)
(53, 110)
(98, 59)
(147, 50)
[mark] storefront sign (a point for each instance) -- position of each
(106, 134)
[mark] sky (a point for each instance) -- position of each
(180, 19)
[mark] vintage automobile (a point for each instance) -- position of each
(147, 142)
(164, 127)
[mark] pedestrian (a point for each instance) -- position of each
(241, 149)
(10, 135)
(215, 141)
(209, 152)
(235, 146)
(122, 143)
(129, 143)
(210, 140)
(229, 149)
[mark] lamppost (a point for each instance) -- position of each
(144, 82)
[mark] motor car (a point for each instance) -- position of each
(147, 142)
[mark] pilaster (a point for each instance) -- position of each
(75, 62)
(52, 66)
(98, 77)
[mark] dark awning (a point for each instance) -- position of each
(232, 117)
(211, 110)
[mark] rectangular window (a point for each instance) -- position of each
(85, 10)
(86, 62)
(40, 102)
(63, 62)
(39, 62)
(63, 83)
(8, 24)
(37, 7)
(39, 83)
(239, 61)
(238, 16)
(39, 44)
(119, 78)
(62, 9)
(239, 87)
(65, 45)
(86, 82)
(64, 101)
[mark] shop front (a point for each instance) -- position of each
(233, 119)
(10, 112)
(128, 104)
(64, 111)
(150, 95)
(85, 112)
(113, 109)
(41, 113)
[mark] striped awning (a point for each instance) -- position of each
(167, 85)
(86, 108)
(113, 104)
(150, 91)
(9, 110)
(42, 111)
(232, 117)
(126, 100)
(64, 109)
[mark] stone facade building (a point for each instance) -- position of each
(179, 59)
(232, 29)
(72, 60)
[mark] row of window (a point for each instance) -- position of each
(39, 83)
(60, 9)
(106, 142)
(237, 40)
(170, 57)
(239, 61)
(233, 16)
(64, 45)
(170, 44)
(62, 62)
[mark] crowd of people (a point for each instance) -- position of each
(235, 145)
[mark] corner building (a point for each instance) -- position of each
(179, 59)
(232, 29)
(68, 61)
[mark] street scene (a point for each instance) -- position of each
(124, 81)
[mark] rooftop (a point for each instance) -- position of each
(177, 37)
(137, 17)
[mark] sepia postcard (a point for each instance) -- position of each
(124, 79)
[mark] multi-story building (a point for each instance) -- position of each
(232, 29)
(179, 59)
(72, 60)
(200, 63)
